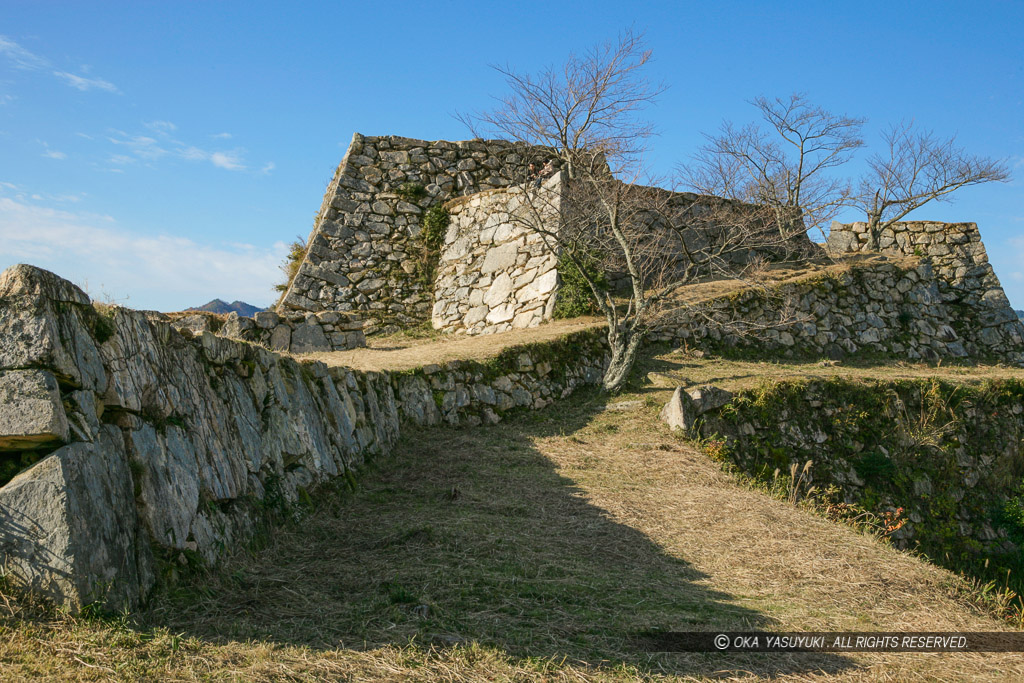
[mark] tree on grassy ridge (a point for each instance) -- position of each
(784, 163)
(611, 223)
(916, 167)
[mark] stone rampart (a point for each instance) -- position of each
(131, 445)
(364, 253)
(941, 453)
(290, 332)
(882, 307)
(496, 271)
(963, 273)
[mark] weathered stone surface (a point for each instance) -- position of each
(67, 527)
(32, 336)
(31, 413)
(366, 215)
(495, 274)
(499, 258)
(679, 412)
(281, 338)
(199, 433)
(308, 338)
(915, 307)
(708, 397)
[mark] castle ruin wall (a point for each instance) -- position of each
(497, 271)
(364, 254)
(130, 447)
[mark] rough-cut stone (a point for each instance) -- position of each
(200, 433)
(31, 413)
(686, 405)
(708, 397)
(366, 216)
(679, 412)
(68, 528)
(914, 307)
(325, 331)
(495, 274)
(499, 258)
(308, 338)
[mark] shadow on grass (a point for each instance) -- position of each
(464, 536)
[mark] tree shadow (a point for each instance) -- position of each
(472, 536)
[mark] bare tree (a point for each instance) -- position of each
(610, 225)
(585, 111)
(915, 168)
(784, 167)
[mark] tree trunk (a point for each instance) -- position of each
(624, 344)
(873, 230)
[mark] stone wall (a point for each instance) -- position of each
(289, 332)
(364, 253)
(965, 277)
(950, 455)
(496, 272)
(140, 446)
(881, 306)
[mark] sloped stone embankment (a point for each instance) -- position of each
(131, 444)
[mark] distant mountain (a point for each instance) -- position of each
(1020, 314)
(240, 307)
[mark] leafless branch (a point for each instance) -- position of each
(914, 168)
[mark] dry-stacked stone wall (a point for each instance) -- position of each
(293, 332)
(127, 447)
(965, 279)
(364, 253)
(891, 307)
(496, 271)
(943, 454)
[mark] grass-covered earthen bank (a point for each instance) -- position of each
(942, 460)
(530, 550)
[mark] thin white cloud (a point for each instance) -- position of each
(165, 127)
(142, 146)
(228, 160)
(164, 272)
(26, 60)
(268, 167)
(221, 136)
(19, 56)
(148, 148)
(54, 154)
(82, 83)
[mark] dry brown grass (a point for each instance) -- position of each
(680, 368)
(404, 351)
(537, 547)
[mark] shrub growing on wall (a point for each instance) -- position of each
(435, 224)
(432, 232)
(574, 297)
(291, 263)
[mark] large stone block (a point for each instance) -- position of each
(500, 258)
(68, 528)
(31, 412)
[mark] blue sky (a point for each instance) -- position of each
(163, 154)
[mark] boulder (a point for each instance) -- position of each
(686, 405)
(708, 397)
(68, 531)
(679, 412)
(309, 337)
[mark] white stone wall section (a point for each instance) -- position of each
(497, 271)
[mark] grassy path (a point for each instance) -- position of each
(530, 550)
